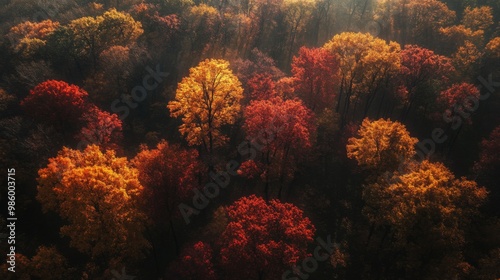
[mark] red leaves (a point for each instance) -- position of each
(264, 237)
(279, 122)
(102, 129)
(168, 174)
(460, 94)
(315, 76)
(56, 102)
(420, 64)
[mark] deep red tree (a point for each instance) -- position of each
(262, 240)
(56, 102)
(282, 129)
(462, 94)
(315, 74)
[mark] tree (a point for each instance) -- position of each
(56, 102)
(285, 130)
(315, 74)
(463, 94)
(429, 212)
(207, 99)
(28, 37)
(479, 18)
(87, 37)
(102, 129)
(168, 174)
(382, 145)
(296, 13)
(98, 195)
(262, 86)
(195, 263)
(366, 65)
(423, 20)
(419, 67)
(48, 263)
(262, 240)
(493, 48)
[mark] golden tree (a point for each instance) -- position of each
(96, 193)
(207, 99)
(427, 210)
(365, 65)
(382, 145)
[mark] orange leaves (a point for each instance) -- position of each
(427, 189)
(97, 194)
(28, 37)
(207, 99)
(267, 237)
(381, 145)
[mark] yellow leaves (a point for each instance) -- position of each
(363, 59)
(97, 194)
(382, 144)
(207, 99)
(427, 191)
(466, 57)
(480, 18)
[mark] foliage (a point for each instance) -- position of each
(264, 238)
(97, 194)
(207, 99)
(382, 144)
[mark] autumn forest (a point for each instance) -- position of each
(250, 139)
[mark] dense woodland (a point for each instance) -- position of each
(251, 139)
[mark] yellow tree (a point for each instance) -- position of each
(89, 36)
(382, 145)
(428, 210)
(28, 37)
(365, 64)
(207, 99)
(480, 18)
(97, 194)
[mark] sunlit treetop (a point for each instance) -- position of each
(427, 191)
(56, 102)
(97, 194)
(28, 37)
(206, 100)
(381, 145)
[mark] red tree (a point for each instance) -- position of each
(418, 67)
(459, 94)
(315, 74)
(102, 129)
(283, 130)
(262, 240)
(195, 263)
(168, 174)
(262, 86)
(56, 102)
